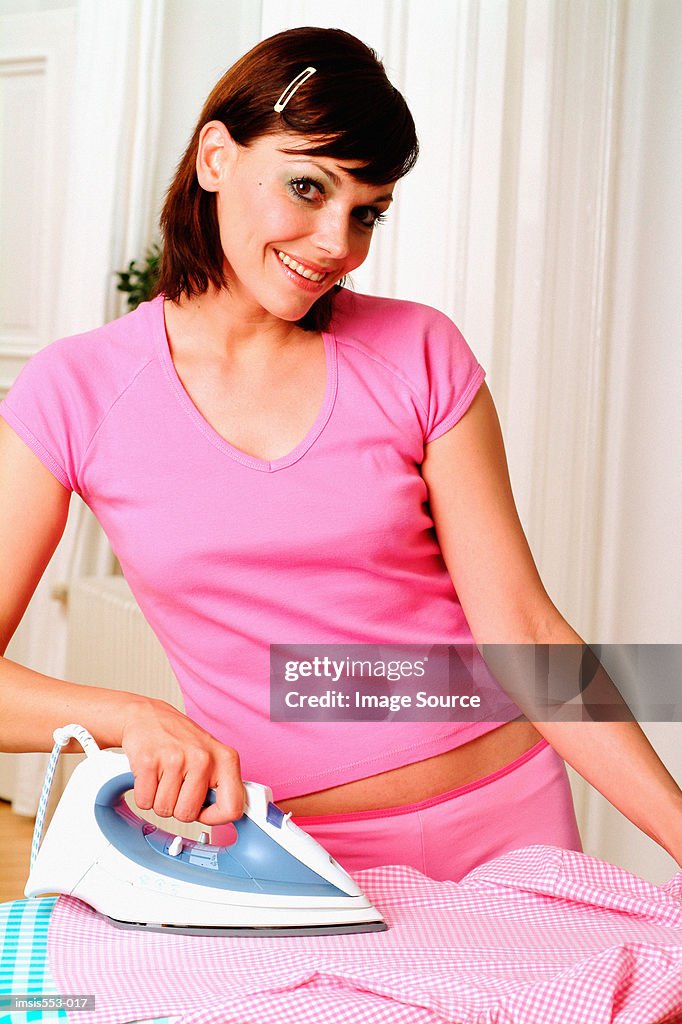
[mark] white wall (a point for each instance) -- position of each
(202, 39)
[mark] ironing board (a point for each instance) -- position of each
(24, 967)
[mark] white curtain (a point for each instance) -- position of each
(107, 221)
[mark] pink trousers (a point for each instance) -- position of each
(526, 802)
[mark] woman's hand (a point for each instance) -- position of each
(175, 762)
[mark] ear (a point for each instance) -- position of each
(217, 150)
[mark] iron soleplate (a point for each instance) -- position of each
(175, 929)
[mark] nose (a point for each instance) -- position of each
(332, 235)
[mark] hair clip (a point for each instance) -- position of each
(292, 87)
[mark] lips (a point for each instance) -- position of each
(307, 271)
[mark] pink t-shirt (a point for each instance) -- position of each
(227, 553)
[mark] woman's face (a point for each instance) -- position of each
(291, 225)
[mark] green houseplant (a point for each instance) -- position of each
(139, 278)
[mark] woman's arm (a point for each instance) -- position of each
(174, 761)
(505, 602)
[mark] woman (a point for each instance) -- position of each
(278, 460)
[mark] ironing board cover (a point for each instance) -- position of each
(24, 966)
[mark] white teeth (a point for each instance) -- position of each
(310, 275)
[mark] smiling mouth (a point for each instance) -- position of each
(299, 268)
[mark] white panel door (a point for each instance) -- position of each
(36, 61)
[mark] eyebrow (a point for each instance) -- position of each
(334, 178)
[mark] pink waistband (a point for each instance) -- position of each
(385, 812)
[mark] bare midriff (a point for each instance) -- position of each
(412, 783)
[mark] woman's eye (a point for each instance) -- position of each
(311, 191)
(306, 188)
(369, 216)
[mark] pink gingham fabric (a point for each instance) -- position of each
(538, 936)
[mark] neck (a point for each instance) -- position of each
(226, 326)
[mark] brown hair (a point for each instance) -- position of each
(349, 105)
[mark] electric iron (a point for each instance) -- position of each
(273, 880)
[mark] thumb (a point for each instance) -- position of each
(229, 803)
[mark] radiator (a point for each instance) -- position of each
(110, 643)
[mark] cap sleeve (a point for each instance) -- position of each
(44, 407)
(453, 375)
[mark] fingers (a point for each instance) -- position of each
(230, 793)
(177, 786)
(144, 768)
(229, 789)
(175, 762)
